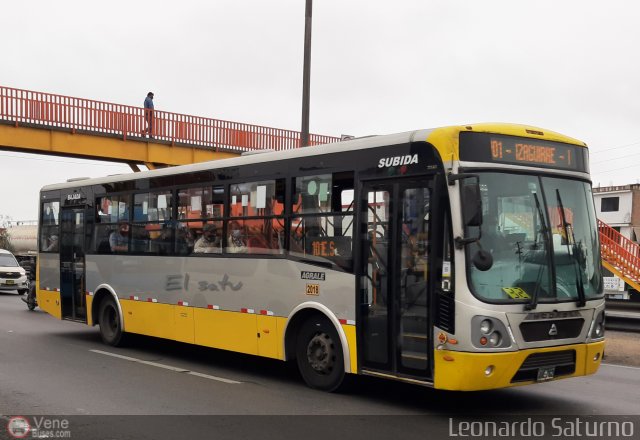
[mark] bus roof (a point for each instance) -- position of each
(444, 138)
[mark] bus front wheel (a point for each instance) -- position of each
(110, 323)
(319, 354)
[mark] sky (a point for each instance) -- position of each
(377, 67)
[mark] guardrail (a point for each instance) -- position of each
(25, 107)
(622, 318)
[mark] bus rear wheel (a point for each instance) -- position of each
(110, 323)
(319, 354)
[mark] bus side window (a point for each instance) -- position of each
(49, 225)
(102, 233)
(322, 226)
(257, 224)
(139, 238)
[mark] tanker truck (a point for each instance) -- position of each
(24, 245)
(23, 238)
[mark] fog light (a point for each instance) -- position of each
(596, 358)
(489, 370)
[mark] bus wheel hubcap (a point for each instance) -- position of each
(321, 353)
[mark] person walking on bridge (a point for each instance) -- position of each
(148, 114)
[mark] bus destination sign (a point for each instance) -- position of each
(532, 153)
(522, 151)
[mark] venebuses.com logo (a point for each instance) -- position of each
(18, 427)
(38, 427)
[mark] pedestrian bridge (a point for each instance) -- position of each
(620, 255)
(44, 123)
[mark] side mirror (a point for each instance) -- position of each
(482, 260)
(471, 204)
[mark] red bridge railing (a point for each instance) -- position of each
(24, 107)
(620, 252)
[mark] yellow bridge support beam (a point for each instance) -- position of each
(614, 270)
(103, 147)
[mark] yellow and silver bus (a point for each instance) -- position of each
(461, 258)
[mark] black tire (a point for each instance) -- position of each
(319, 354)
(110, 323)
(31, 298)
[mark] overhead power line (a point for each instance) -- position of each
(614, 158)
(614, 148)
(614, 170)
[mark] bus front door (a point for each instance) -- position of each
(395, 330)
(72, 256)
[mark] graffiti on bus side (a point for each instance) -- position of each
(184, 282)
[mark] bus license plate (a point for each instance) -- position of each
(546, 373)
(9, 282)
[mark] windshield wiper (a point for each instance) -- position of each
(533, 303)
(573, 251)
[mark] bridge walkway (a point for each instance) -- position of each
(45, 123)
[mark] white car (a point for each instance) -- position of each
(12, 275)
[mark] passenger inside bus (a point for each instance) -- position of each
(119, 240)
(52, 244)
(236, 240)
(209, 242)
(184, 240)
(161, 245)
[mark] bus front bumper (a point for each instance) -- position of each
(463, 371)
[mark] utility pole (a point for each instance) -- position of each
(306, 75)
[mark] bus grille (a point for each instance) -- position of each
(546, 330)
(563, 361)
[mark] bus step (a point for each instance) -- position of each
(414, 343)
(414, 355)
(422, 336)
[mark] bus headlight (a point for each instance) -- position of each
(488, 332)
(597, 331)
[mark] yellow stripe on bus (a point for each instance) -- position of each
(350, 333)
(150, 319)
(49, 301)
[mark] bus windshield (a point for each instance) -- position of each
(542, 238)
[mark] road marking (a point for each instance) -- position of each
(621, 366)
(206, 376)
(166, 367)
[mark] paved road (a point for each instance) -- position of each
(58, 367)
